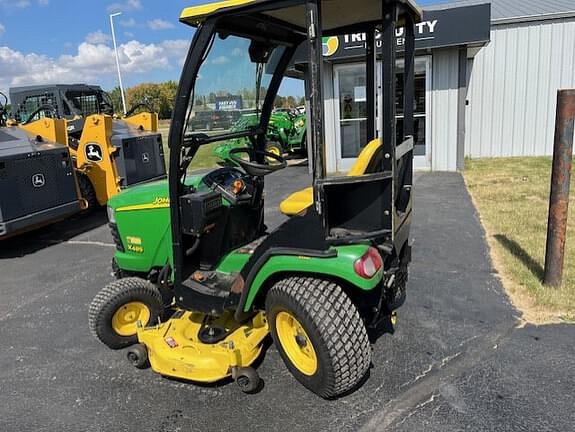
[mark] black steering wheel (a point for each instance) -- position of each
(42, 108)
(255, 168)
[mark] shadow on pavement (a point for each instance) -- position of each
(40, 238)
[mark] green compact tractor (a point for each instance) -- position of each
(203, 282)
(286, 133)
(289, 129)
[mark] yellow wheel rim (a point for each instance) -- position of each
(275, 151)
(296, 343)
(125, 318)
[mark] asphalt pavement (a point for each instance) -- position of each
(458, 360)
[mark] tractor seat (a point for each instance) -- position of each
(368, 162)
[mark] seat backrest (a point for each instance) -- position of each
(369, 160)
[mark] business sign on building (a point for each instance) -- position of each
(228, 103)
(467, 25)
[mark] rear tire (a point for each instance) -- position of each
(330, 323)
(117, 308)
(87, 191)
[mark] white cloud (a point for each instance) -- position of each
(159, 24)
(2, 29)
(129, 34)
(15, 4)
(130, 22)
(43, 2)
(220, 60)
(98, 37)
(127, 6)
(90, 63)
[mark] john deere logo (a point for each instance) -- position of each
(38, 180)
(330, 45)
(94, 153)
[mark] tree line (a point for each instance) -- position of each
(160, 97)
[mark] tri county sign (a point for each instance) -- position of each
(467, 25)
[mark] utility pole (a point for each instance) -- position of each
(118, 60)
(560, 181)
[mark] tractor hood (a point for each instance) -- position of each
(148, 195)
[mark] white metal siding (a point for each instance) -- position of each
(513, 88)
(443, 118)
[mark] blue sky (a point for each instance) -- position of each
(50, 41)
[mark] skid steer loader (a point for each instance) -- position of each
(37, 179)
(110, 153)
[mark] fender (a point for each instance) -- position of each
(337, 262)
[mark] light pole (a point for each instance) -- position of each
(118, 60)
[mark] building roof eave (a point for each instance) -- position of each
(532, 18)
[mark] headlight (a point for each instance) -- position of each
(111, 215)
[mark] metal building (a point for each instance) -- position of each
(487, 75)
(513, 81)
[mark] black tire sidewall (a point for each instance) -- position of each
(274, 145)
(88, 192)
(323, 377)
(103, 323)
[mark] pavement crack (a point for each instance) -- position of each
(418, 407)
(421, 391)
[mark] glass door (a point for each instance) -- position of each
(351, 112)
(351, 116)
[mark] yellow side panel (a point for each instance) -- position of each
(196, 14)
(300, 200)
(102, 174)
(147, 121)
(49, 129)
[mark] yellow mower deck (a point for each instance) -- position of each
(175, 350)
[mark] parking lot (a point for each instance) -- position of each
(460, 359)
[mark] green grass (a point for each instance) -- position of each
(512, 197)
(204, 157)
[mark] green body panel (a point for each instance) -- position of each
(143, 221)
(233, 262)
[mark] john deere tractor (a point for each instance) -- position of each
(286, 133)
(109, 153)
(203, 281)
(289, 128)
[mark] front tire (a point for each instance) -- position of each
(88, 192)
(116, 310)
(319, 334)
(275, 149)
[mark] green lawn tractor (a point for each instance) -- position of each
(286, 133)
(203, 283)
(289, 129)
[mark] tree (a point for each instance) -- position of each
(116, 97)
(158, 97)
